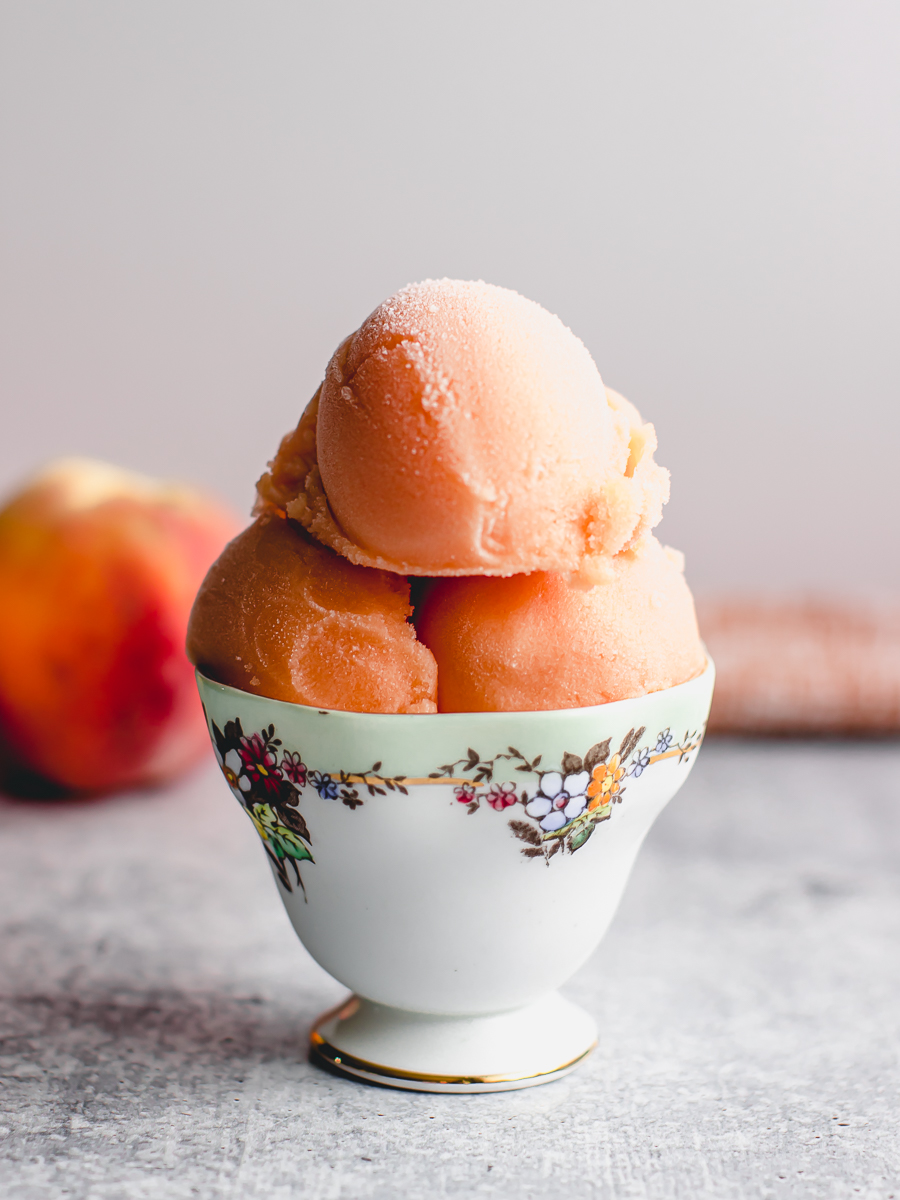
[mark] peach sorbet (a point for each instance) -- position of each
(462, 440)
(545, 641)
(464, 430)
(283, 616)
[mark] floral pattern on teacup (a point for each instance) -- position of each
(563, 805)
(569, 802)
(268, 780)
(559, 799)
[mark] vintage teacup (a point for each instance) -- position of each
(453, 870)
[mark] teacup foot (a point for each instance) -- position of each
(423, 1052)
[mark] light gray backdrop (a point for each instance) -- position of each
(201, 198)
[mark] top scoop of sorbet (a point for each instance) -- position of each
(464, 430)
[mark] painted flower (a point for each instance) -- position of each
(294, 768)
(465, 793)
(231, 767)
(641, 762)
(324, 784)
(606, 781)
(501, 796)
(559, 799)
(260, 762)
(663, 742)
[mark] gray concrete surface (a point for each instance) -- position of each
(155, 1004)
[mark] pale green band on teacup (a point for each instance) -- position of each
(418, 746)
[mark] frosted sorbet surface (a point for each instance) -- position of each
(542, 642)
(464, 430)
(463, 435)
(282, 616)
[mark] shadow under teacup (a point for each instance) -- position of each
(453, 870)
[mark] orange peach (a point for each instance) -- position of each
(98, 571)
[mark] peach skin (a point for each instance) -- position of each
(98, 571)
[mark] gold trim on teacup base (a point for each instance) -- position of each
(324, 1054)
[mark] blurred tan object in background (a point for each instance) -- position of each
(803, 666)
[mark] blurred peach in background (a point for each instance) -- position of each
(98, 571)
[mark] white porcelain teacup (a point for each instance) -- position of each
(454, 870)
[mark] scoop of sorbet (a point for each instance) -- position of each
(282, 616)
(464, 430)
(543, 641)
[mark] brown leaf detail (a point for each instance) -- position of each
(527, 833)
(630, 741)
(571, 764)
(295, 822)
(596, 755)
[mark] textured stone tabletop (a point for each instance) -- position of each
(155, 1007)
